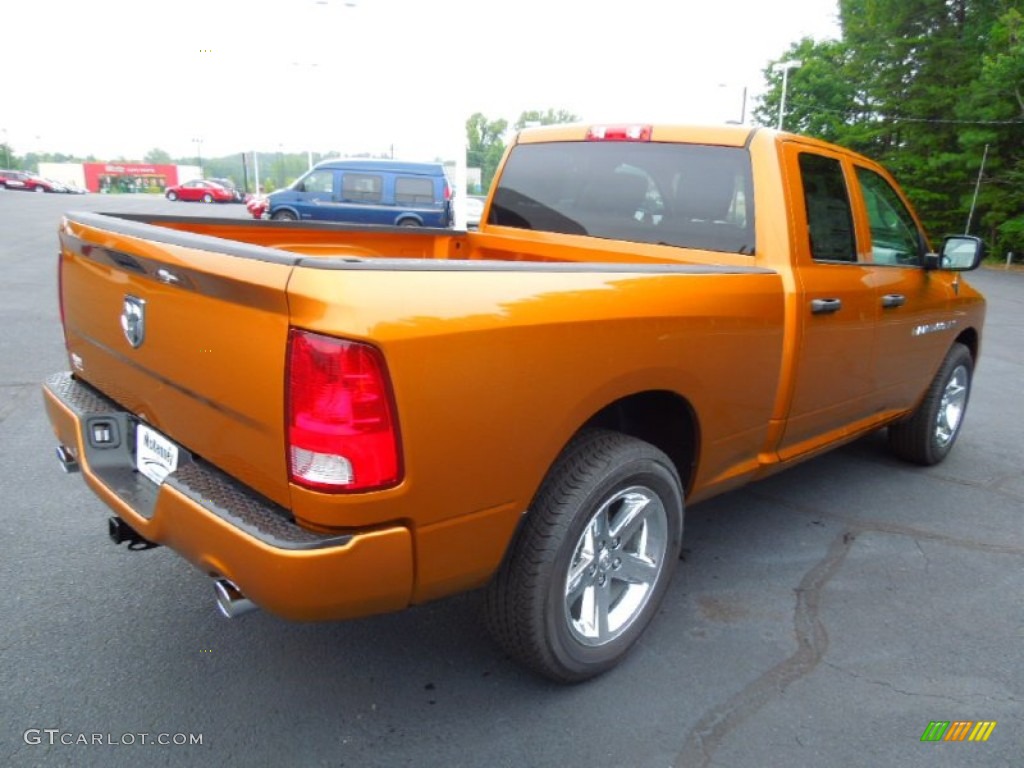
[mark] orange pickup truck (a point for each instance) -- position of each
(337, 421)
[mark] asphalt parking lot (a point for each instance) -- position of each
(823, 617)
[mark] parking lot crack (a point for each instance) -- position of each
(885, 684)
(895, 529)
(812, 643)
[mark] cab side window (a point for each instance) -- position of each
(894, 235)
(321, 182)
(829, 218)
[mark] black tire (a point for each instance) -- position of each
(172, 196)
(408, 223)
(575, 532)
(283, 216)
(928, 434)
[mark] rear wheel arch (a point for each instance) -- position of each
(664, 419)
(661, 418)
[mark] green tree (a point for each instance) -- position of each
(485, 145)
(8, 158)
(997, 97)
(922, 86)
(551, 117)
(157, 156)
(820, 100)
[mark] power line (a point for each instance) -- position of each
(899, 118)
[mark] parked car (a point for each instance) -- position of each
(200, 190)
(474, 210)
(27, 181)
(40, 184)
(256, 205)
(228, 184)
(367, 192)
(13, 179)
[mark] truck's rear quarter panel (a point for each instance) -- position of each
(494, 372)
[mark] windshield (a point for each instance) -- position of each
(685, 195)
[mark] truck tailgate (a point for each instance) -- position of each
(192, 341)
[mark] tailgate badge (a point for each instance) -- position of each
(133, 320)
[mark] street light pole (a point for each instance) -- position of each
(785, 66)
(743, 106)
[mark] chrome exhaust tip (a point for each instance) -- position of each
(67, 459)
(230, 600)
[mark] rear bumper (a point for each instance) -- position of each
(225, 529)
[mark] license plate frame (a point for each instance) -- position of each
(156, 456)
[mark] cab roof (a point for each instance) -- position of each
(722, 135)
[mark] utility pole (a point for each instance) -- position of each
(977, 187)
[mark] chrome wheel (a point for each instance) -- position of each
(587, 570)
(951, 407)
(615, 565)
(927, 435)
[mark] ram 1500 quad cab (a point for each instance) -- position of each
(335, 421)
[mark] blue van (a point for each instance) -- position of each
(387, 192)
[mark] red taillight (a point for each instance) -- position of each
(619, 133)
(447, 190)
(342, 433)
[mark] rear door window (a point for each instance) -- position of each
(362, 187)
(827, 202)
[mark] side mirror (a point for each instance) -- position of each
(960, 253)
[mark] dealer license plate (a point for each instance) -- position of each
(155, 456)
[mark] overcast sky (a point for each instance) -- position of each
(120, 77)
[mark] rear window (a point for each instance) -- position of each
(410, 190)
(685, 195)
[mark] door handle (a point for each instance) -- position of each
(825, 306)
(891, 300)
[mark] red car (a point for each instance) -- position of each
(26, 181)
(256, 205)
(200, 190)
